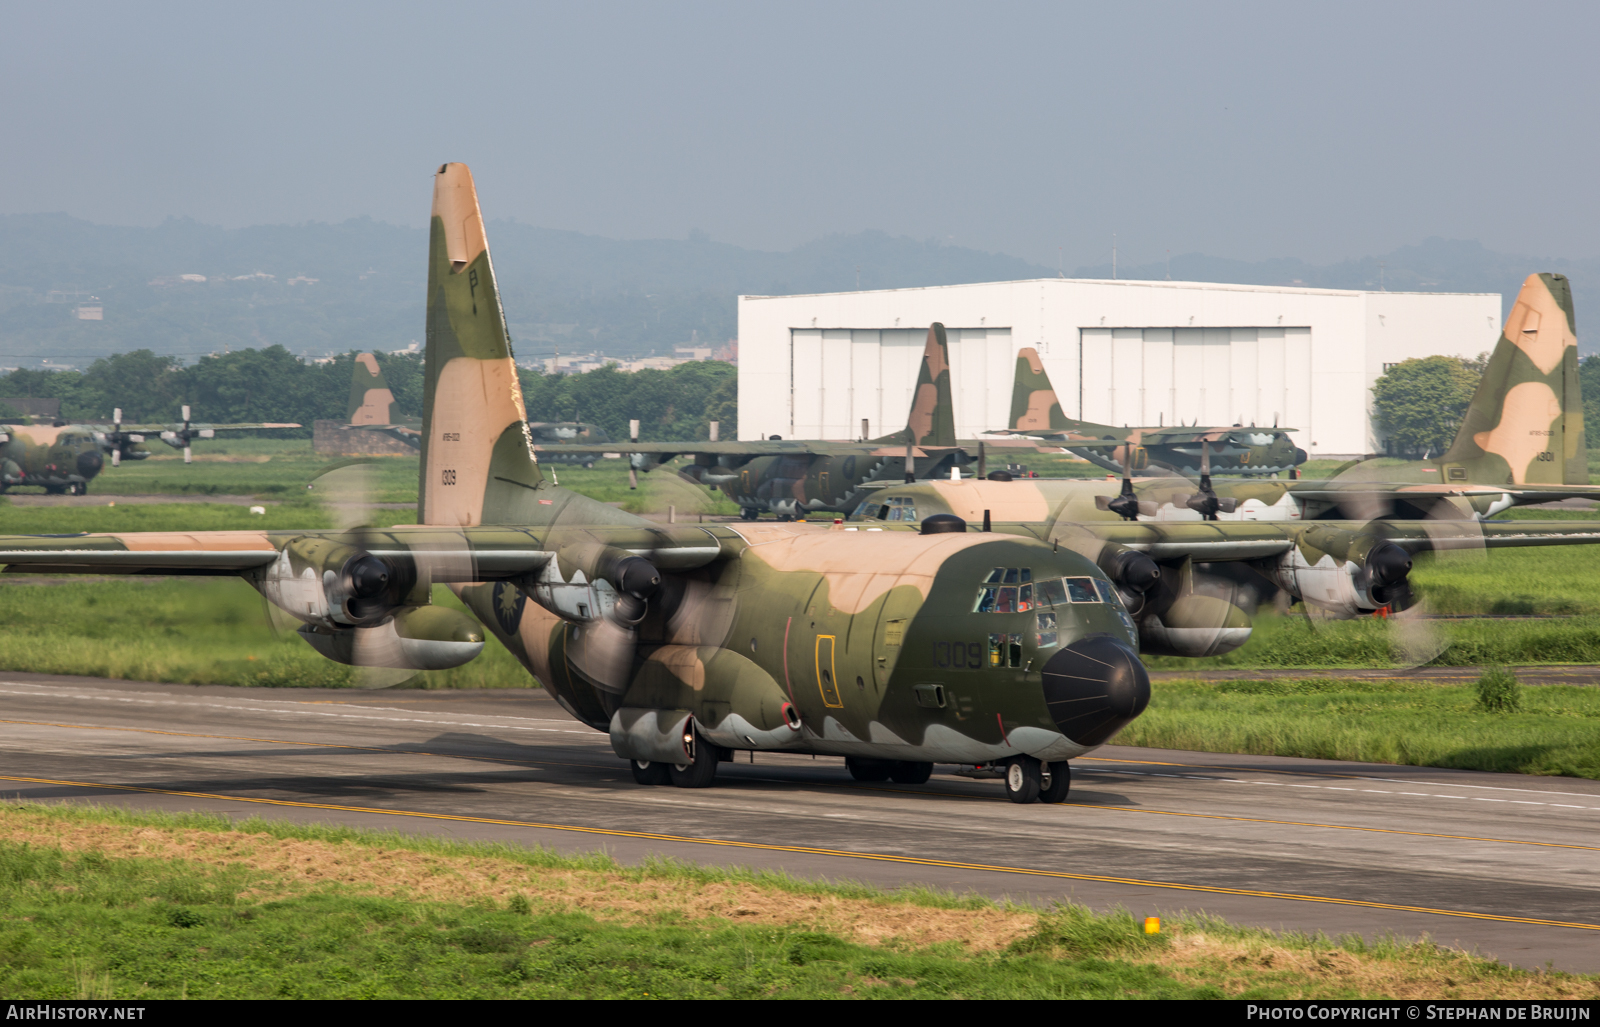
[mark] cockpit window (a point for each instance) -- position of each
(1013, 590)
(1082, 590)
(894, 508)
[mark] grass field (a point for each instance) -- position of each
(106, 903)
(1402, 722)
(189, 631)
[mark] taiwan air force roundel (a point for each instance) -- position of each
(508, 603)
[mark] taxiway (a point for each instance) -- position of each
(1499, 863)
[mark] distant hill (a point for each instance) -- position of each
(320, 288)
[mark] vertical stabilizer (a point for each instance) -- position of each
(1525, 423)
(371, 402)
(932, 421)
(476, 451)
(1034, 406)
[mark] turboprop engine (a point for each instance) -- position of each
(1178, 620)
(364, 610)
(588, 581)
(1346, 572)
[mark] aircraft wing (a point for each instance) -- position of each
(1333, 493)
(772, 447)
(479, 553)
(405, 433)
(1251, 540)
(156, 429)
(1061, 438)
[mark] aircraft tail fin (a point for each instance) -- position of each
(478, 464)
(932, 421)
(371, 402)
(1034, 406)
(1524, 425)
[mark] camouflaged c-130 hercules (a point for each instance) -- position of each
(1525, 423)
(894, 650)
(373, 408)
(794, 477)
(1234, 450)
(1521, 442)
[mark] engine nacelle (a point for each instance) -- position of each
(1193, 625)
(415, 638)
(587, 581)
(332, 585)
(1348, 573)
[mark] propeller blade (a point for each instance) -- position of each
(188, 455)
(116, 456)
(1126, 505)
(602, 652)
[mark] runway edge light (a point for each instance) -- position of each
(1152, 925)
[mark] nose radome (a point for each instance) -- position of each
(1094, 687)
(89, 463)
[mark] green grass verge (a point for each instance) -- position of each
(79, 923)
(1557, 730)
(1289, 642)
(190, 631)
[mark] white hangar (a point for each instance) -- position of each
(1118, 352)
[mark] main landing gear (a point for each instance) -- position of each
(699, 772)
(1028, 780)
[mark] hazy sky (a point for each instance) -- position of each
(1318, 131)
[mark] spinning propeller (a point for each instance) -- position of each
(119, 440)
(387, 629)
(183, 436)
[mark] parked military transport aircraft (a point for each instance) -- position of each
(791, 477)
(1520, 442)
(1236, 449)
(686, 643)
(373, 408)
(65, 457)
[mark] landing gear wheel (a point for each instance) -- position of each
(700, 771)
(648, 772)
(910, 772)
(1022, 779)
(77, 490)
(1055, 780)
(868, 770)
(749, 513)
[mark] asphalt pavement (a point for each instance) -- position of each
(1497, 863)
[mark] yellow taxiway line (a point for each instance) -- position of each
(810, 850)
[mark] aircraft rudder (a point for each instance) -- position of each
(932, 420)
(1524, 424)
(475, 437)
(371, 401)
(1033, 399)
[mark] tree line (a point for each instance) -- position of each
(1418, 404)
(273, 384)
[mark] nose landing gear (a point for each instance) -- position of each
(1029, 780)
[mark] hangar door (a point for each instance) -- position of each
(837, 376)
(1146, 376)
